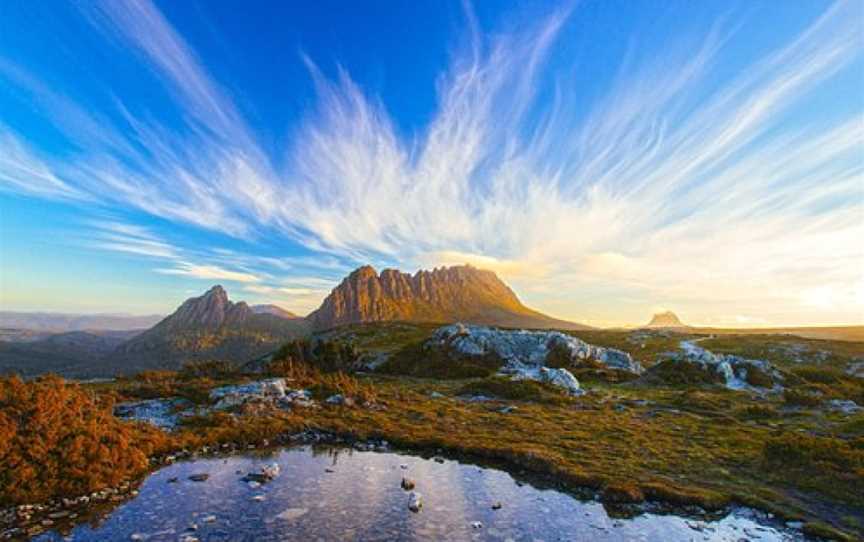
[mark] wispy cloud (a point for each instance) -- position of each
(670, 189)
(210, 272)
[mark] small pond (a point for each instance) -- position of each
(343, 494)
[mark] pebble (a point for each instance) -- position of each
(415, 501)
(407, 484)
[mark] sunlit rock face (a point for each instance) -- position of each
(526, 354)
(446, 294)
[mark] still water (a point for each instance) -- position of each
(350, 495)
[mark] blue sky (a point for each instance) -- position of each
(608, 159)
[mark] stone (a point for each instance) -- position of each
(415, 501)
(561, 378)
(291, 514)
(520, 348)
(407, 484)
(227, 397)
(476, 525)
(163, 413)
(497, 506)
(266, 474)
(202, 477)
(844, 406)
(209, 519)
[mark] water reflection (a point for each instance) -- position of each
(349, 495)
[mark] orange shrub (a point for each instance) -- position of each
(58, 439)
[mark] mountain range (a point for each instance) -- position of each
(212, 327)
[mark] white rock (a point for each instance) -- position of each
(415, 501)
(522, 347)
(561, 378)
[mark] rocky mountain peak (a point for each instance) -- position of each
(665, 319)
(445, 294)
(211, 310)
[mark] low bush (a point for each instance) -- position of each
(682, 373)
(801, 398)
(414, 360)
(57, 439)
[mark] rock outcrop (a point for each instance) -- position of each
(525, 347)
(695, 365)
(526, 355)
(447, 294)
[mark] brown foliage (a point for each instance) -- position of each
(57, 439)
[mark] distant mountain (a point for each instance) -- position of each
(667, 320)
(75, 353)
(209, 327)
(275, 310)
(56, 322)
(448, 294)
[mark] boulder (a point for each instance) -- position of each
(844, 406)
(163, 413)
(524, 347)
(561, 378)
(695, 365)
(415, 501)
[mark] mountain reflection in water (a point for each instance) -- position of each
(350, 495)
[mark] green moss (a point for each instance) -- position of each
(516, 390)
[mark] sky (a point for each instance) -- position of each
(608, 159)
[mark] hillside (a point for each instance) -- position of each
(209, 327)
(447, 294)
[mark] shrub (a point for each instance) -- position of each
(414, 360)
(208, 369)
(757, 412)
(57, 439)
(683, 373)
(759, 378)
(327, 356)
(801, 398)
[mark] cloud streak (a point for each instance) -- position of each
(669, 190)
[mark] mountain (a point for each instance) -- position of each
(275, 310)
(667, 319)
(74, 354)
(209, 327)
(55, 322)
(448, 294)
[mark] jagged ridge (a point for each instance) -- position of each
(447, 294)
